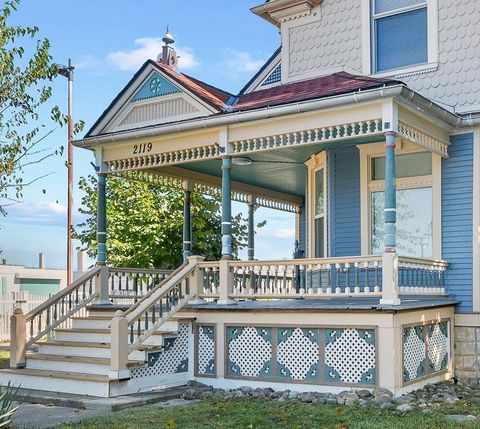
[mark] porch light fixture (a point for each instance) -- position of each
(241, 161)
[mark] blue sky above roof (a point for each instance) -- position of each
(108, 41)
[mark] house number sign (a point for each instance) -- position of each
(142, 148)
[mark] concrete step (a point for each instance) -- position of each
(57, 381)
(75, 364)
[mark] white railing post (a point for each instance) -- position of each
(18, 340)
(101, 286)
(196, 280)
(390, 279)
(119, 347)
(226, 282)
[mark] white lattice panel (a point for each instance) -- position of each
(438, 346)
(173, 359)
(298, 353)
(351, 356)
(413, 353)
(206, 350)
(249, 352)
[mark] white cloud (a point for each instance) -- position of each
(241, 62)
(281, 233)
(131, 60)
(37, 212)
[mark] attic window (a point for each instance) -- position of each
(399, 33)
(274, 77)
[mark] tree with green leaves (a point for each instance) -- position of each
(145, 223)
(26, 69)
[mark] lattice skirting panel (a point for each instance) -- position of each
(205, 356)
(426, 350)
(341, 356)
(172, 360)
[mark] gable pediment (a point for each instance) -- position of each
(150, 98)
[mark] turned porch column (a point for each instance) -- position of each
(251, 228)
(187, 220)
(226, 207)
(102, 218)
(390, 257)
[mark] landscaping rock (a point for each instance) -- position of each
(405, 400)
(191, 394)
(381, 391)
(382, 399)
(404, 408)
(364, 393)
(460, 418)
(306, 397)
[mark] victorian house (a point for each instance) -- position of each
(363, 124)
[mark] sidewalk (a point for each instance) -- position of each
(41, 416)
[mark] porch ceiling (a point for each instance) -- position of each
(281, 170)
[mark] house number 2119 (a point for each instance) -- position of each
(142, 148)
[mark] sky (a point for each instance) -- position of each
(219, 41)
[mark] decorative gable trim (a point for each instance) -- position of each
(138, 93)
(267, 76)
(156, 86)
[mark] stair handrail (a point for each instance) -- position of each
(63, 292)
(173, 292)
(27, 329)
(51, 320)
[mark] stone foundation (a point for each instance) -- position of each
(467, 349)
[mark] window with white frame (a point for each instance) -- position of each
(399, 34)
(319, 212)
(414, 204)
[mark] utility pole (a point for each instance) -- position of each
(67, 71)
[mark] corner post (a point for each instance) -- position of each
(119, 348)
(251, 228)
(390, 294)
(196, 280)
(187, 219)
(101, 286)
(226, 282)
(226, 207)
(18, 339)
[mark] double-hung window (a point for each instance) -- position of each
(399, 34)
(414, 204)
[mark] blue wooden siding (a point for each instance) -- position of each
(457, 221)
(344, 187)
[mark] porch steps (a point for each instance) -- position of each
(77, 359)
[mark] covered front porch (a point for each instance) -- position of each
(335, 169)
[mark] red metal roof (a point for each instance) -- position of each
(334, 84)
(208, 93)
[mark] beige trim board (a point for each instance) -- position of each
(467, 320)
(476, 220)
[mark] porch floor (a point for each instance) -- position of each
(326, 304)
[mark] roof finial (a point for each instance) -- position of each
(168, 56)
(168, 38)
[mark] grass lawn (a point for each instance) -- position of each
(256, 413)
(4, 359)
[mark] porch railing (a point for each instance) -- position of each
(418, 276)
(128, 285)
(313, 278)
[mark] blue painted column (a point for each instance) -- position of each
(251, 229)
(187, 221)
(390, 207)
(102, 220)
(226, 207)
